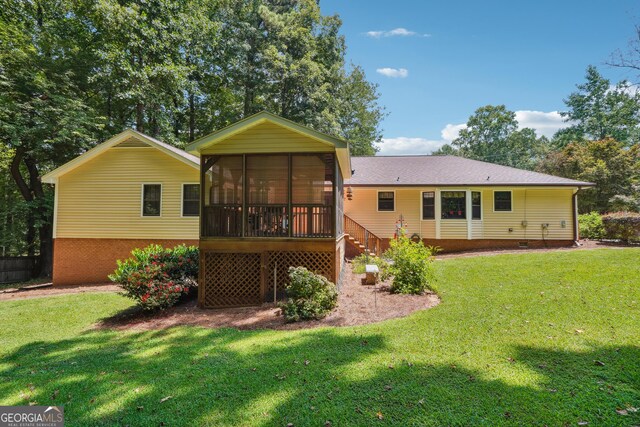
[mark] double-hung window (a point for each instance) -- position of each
(502, 201)
(428, 205)
(151, 199)
(476, 205)
(190, 199)
(386, 201)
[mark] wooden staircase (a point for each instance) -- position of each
(363, 239)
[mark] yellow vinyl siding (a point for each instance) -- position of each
(453, 229)
(364, 210)
(543, 205)
(536, 206)
(428, 229)
(102, 198)
(268, 138)
(477, 229)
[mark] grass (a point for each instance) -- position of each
(529, 339)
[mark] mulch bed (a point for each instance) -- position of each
(357, 305)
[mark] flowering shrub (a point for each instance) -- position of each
(412, 267)
(623, 226)
(155, 277)
(591, 226)
(309, 296)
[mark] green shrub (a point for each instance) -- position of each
(309, 296)
(412, 267)
(361, 261)
(591, 226)
(155, 277)
(623, 226)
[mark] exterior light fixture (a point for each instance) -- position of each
(349, 193)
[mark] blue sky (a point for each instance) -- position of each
(437, 61)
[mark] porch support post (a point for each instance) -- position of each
(438, 212)
(469, 213)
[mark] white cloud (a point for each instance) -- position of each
(451, 132)
(396, 32)
(393, 72)
(404, 146)
(375, 34)
(544, 123)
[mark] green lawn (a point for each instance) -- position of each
(530, 339)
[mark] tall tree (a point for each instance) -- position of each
(44, 118)
(598, 110)
(358, 113)
(492, 135)
(607, 163)
(73, 72)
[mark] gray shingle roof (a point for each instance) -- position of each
(445, 170)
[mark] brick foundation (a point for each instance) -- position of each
(459, 245)
(89, 261)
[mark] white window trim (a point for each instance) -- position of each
(378, 199)
(493, 201)
(182, 215)
(481, 205)
(142, 200)
(435, 202)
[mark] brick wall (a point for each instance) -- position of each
(89, 261)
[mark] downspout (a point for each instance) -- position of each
(576, 227)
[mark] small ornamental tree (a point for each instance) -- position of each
(309, 296)
(412, 266)
(155, 277)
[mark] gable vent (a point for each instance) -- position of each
(132, 143)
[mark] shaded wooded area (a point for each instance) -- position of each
(73, 73)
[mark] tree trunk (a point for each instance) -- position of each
(44, 230)
(140, 117)
(192, 117)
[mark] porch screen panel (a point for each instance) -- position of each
(312, 177)
(223, 195)
(226, 177)
(268, 195)
(268, 179)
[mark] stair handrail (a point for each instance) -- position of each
(361, 234)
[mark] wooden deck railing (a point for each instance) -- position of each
(300, 221)
(364, 237)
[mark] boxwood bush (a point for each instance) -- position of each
(591, 226)
(309, 296)
(156, 277)
(412, 266)
(623, 226)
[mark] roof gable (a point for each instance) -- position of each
(127, 138)
(226, 135)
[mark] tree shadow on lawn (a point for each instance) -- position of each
(228, 377)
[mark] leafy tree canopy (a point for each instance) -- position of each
(607, 163)
(599, 110)
(492, 135)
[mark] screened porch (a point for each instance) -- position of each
(292, 195)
